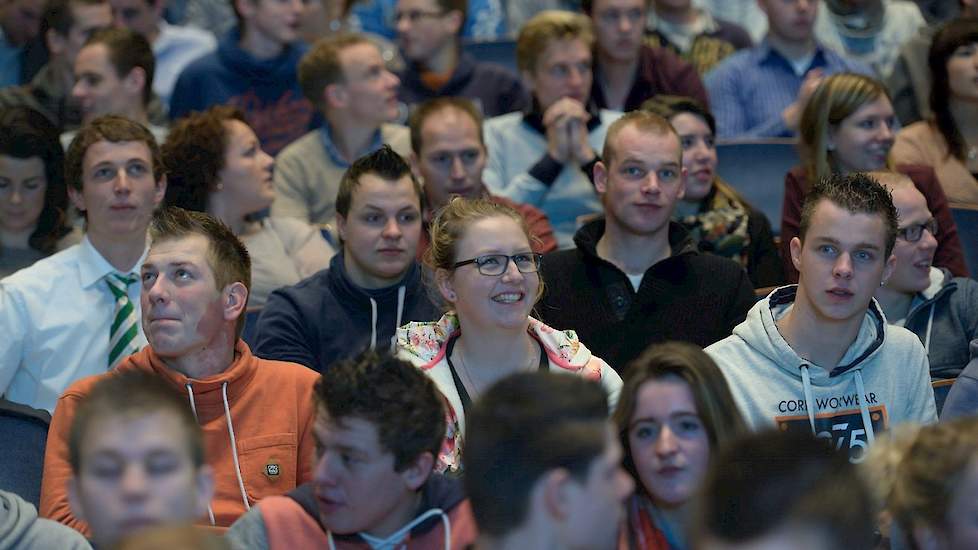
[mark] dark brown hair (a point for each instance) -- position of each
(127, 50)
(27, 134)
(859, 193)
(393, 395)
(525, 426)
(957, 33)
(114, 129)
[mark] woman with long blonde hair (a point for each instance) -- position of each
(848, 126)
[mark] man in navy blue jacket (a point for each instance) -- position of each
(372, 287)
(254, 69)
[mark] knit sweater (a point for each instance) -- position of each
(922, 143)
(307, 179)
(688, 296)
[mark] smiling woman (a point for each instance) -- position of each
(216, 165)
(33, 195)
(849, 126)
(487, 274)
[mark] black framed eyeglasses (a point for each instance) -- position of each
(913, 233)
(494, 265)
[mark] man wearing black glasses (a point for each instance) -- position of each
(428, 36)
(636, 277)
(940, 309)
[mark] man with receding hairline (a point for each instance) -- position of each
(636, 277)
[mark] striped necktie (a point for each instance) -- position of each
(125, 326)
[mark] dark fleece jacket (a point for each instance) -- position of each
(688, 296)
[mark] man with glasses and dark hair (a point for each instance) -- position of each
(449, 155)
(428, 34)
(373, 286)
(942, 310)
(636, 277)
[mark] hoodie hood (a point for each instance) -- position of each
(16, 518)
(280, 68)
(439, 492)
(760, 332)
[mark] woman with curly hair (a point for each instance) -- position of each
(216, 165)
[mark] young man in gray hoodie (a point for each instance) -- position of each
(820, 356)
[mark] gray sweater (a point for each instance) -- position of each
(307, 179)
(21, 529)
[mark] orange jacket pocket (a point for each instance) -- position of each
(268, 464)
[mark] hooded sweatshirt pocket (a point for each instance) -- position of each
(268, 464)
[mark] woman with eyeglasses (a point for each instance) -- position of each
(942, 310)
(487, 274)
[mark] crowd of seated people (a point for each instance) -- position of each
(305, 273)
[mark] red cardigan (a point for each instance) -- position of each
(949, 253)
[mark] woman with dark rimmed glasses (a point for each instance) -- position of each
(487, 275)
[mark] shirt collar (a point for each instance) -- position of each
(766, 53)
(326, 135)
(93, 267)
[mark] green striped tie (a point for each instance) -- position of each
(125, 326)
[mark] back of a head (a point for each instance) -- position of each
(858, 193)
(524, 426)
(775, 484)
(128, 50)
(931, 474)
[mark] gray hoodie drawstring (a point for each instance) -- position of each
(930, 324)
(373, 324)
(391, 542)
(806, 384)
(864, 408)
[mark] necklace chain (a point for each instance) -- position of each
(465, 368)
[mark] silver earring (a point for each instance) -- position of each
(883, 283)
(220, 186)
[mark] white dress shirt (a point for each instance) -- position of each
(54, 324)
